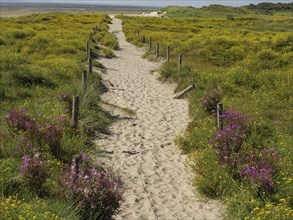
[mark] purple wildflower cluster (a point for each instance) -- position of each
(33, 171)
(257, 163)
(20, 120)
(228, 142)
(52, 131)
(259, 167)
(32, 132)
(209, 100)
(97, 191)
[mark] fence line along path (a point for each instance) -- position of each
(158, 185)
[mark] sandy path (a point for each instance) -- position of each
(156, 179)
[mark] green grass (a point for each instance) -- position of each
(42, 58)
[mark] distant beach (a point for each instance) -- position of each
(11, 9)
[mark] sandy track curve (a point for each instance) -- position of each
(156, 179)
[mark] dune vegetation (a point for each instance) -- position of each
(45, 172)
(243, 60)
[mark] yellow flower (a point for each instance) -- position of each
(282, 200)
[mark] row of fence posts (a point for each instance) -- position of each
(76, 101)
(84, 76)
(180, 60)
(168, 56)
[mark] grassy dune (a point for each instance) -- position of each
(244, 60)
(42, 57)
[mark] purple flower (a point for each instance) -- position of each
(25, 164)
(259, 167)
(260, 174)
(33, 172)
(92, 187)
(20, 120)
(228, 142)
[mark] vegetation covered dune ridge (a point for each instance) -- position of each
(243, 60)
(45, 172)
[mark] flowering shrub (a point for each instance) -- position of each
(96, 191)
(228, 142)
(256, 164)
(20, 120)
(259, 167)
(33, 171)
(31, 132)
(210, 100)
(52, 132)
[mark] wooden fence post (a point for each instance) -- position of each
(157, 50)
(180, 62)
(84, 80)
(90, 61)
(219, 115)
(168, 53)
(87, 46)
(150, 43)
(90, 65)
(75, 111)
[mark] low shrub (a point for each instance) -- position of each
(210, 100)
(228, 142)
(97, 192)
(20, 120)
(34, 173)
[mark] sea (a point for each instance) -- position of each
(149, 3)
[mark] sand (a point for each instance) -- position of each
(141, 146)
(153, 14)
